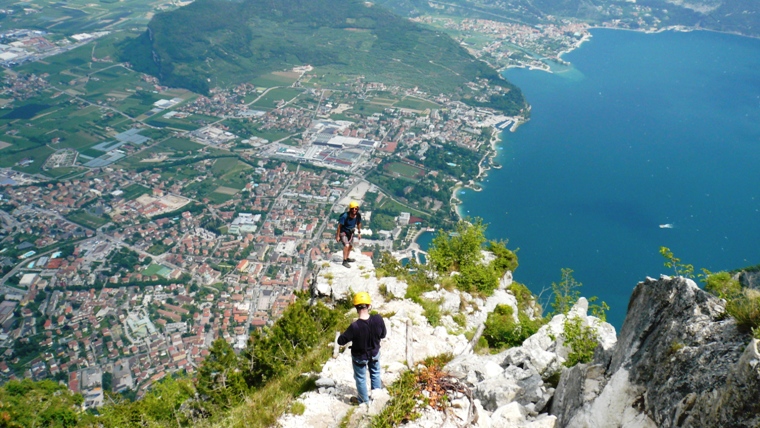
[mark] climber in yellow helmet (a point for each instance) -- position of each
(365, 334)
(348, 223)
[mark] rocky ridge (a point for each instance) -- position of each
(679, 361)
(507, 389)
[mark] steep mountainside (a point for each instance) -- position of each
(220, 42)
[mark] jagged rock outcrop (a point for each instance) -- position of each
(511, 388)
(679, 361)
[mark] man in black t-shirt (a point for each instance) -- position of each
(365, 334)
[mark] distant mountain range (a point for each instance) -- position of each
(221, 42)
(735, 16)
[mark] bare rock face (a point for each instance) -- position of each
(679, 361)
(750, 279)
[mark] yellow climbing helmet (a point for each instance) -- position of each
(353, 204)
(362, 298)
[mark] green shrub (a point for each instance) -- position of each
(525, 299)
(389, 266)
(746, 311)
(673, 262)
(402, 405)
(506, 260)
(582, 340)
(269, 353)
(432, 311)
(502, 331)
(722, 285)
(451, 252)
(406, 394)
(565, 293)
(742, 304)
(460, 319)
(477, 279)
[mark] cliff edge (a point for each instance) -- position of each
(679, 361)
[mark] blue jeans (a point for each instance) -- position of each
(360, 376)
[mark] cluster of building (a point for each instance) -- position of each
(508, 42)
(143, 293)
(21, 45)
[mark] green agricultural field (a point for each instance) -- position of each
(134, 191)
(270, 99)
(219, 198)
(115, 84)
(201, 189)
(404, 170)
(327, 76)
(84, 15)
(269, 134)
(416, 104)
(60, 173)
(230, 172)
(185, 172)
(74, 127)
(387, 102)
(223, 166)
(185, 124)
(67, 62)
(342, 116)
(158, 249)
(91, 153)
(38, 155)
(181, 144)
(276, 79)
(365, 109)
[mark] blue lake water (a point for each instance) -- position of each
(642, 130)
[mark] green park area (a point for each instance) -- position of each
(404, 170)
(156, 269)
(86, 219)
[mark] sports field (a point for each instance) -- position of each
(405, 170)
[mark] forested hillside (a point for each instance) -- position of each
(217, 43)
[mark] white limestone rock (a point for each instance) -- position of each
(542, 421)
(450, 301)
(499, 297)
(336, 281)
(393, 286)
(510, 415)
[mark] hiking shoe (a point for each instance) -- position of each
(350, 260)
(345, 263)
(354, 401)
